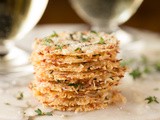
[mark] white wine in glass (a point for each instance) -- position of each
(17, 18)
(105, 15)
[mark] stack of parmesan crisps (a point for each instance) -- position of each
(77, 71)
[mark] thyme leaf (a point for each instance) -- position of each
(83, 38)
(147, 69)
(77, 49)
(20, 96)
(71, 36)
(92, 31)
(101, 41)
(151, 99)
(47, 41)
(59, 47)
(40, 113)
(136, 73)
(157, 66)
(54, 34)
(75, 85)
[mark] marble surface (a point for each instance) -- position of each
(136, 108)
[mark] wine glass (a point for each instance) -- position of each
(106, 15)
(17, 18)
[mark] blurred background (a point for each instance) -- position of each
(147, 16)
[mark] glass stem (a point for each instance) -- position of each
(104, 28)
(13, 59)
(9, 52)
(3, 49)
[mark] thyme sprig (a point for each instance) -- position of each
(40, 113)
(151, 99)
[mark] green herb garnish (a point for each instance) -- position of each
(77, 49)
(47, 41)
(136, 73)
(92, 31)
(147, 69)
(40, 113)
(75, 85)
(101, 41)
(71, 36)
(151, 99)
(54, 34)
(83, 38)
(59, 47)
(20, 96)
(157, 66)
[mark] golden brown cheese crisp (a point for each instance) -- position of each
(57, 75)
(75, 87)
(72, 101)
(77, 67)
(85, 104)
(76, 43)
(64, 59)
(69, 94)
(77, 71)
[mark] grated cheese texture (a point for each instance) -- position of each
(76, 43)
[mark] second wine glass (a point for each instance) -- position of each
(17, 18)
(105, 15)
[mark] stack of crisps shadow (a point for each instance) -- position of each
(77, 71)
